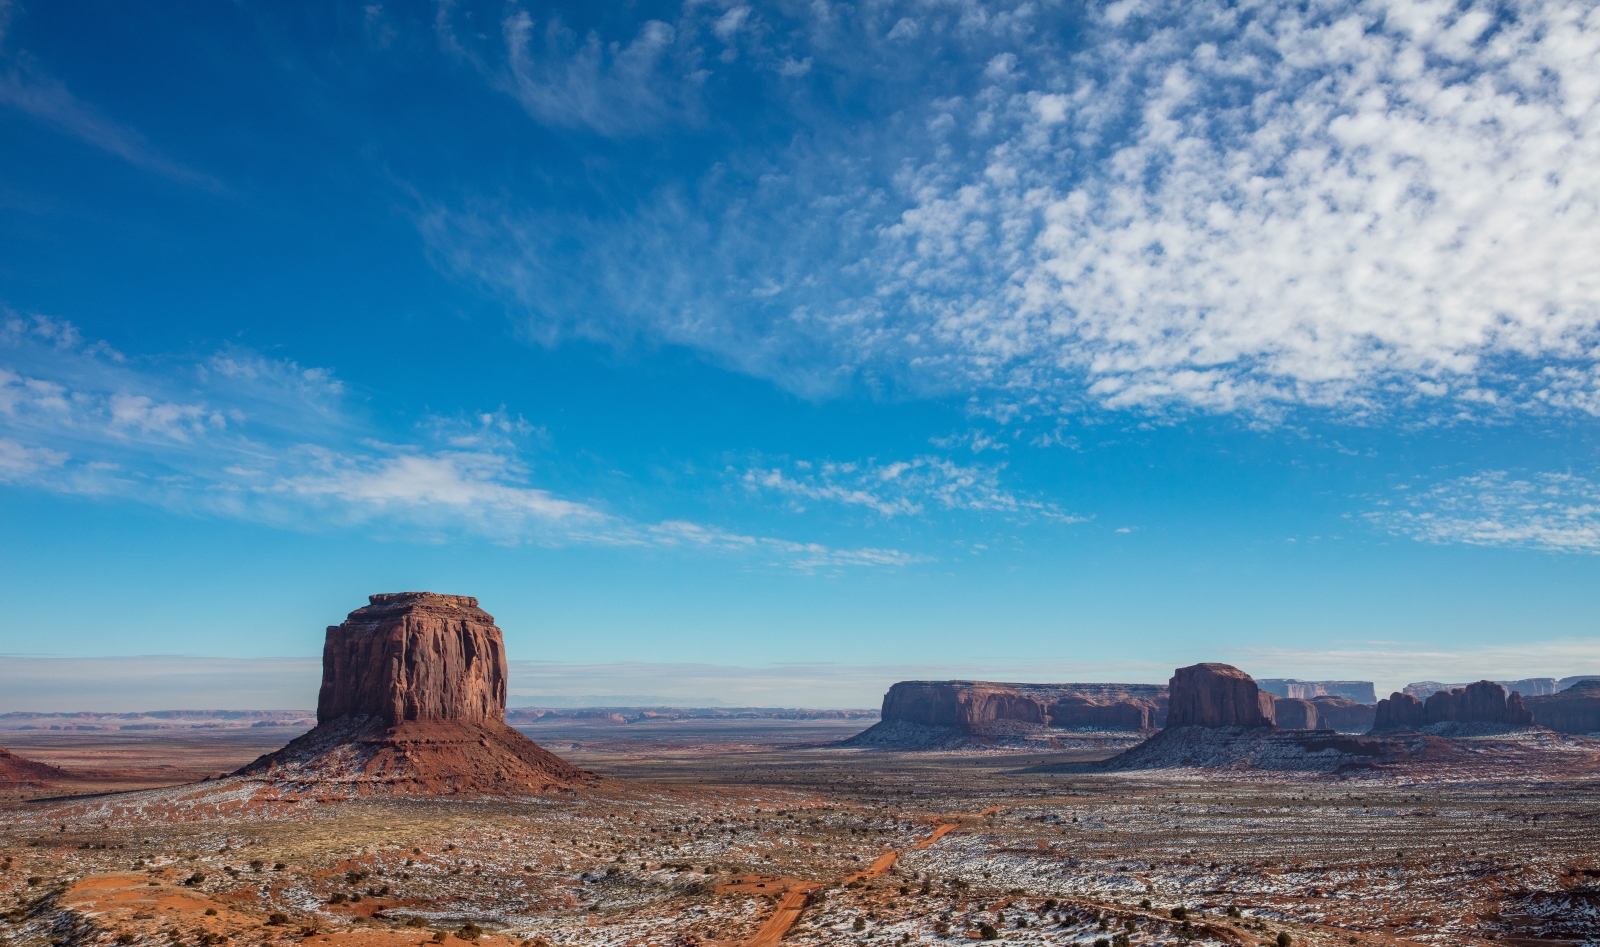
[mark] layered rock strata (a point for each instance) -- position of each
(413, 700)
(1484, 702)
(1216, 695)
(1574, 710)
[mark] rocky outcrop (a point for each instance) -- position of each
(17, 773)
(1482, 703)
(1293, 713)
(414, 656)
(1361, 692)
(1574, 710)
(1216, 695)
(413, 700)
(948, 714)
(1343, 715)
(1399, 711)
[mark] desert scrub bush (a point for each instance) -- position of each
(987, 932)
(1180, 913)
(1284, 940)
(277, 917)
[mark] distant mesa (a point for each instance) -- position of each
(1527, 687)
(1360, 692)
(20, 773)
(413, 701)
(949, 714)
(1485, 704)
(1575, 709)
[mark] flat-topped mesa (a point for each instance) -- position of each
(1484, 702)
(974, 705)
(1217, 695)
(416, 656)
(1361, 692)
(413, 701)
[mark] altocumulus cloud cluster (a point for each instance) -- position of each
(1252, 207)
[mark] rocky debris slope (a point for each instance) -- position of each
(1574, 710)
(413, 700)
(1216, 695)
(17, 772)
(1475, 706)
(953, 714)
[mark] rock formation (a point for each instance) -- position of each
(1360, 692)
(1482, 703)
(1343, 715)
(1293, 713)
(1216, 695)
(19, 773)
(950, 713)
(413, 700)
(1574, 710)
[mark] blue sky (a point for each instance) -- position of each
(736, 350)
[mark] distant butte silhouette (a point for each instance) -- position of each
(413, 701)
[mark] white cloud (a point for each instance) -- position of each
(1548, 511)
(612, 88)
(901, 488)
(1378, 206)
(269, 441)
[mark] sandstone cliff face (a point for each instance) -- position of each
(975, 705)
(1216, 695)
(1293, 713)
(1484, 702)
(413, 701)
(1574, 710)
(414, 656)
(1343, 714)
(1358, 691)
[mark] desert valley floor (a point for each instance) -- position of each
(744, 832)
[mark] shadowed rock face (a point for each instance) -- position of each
(974, 705)
(1343, 714)
(413, 700)
(1483, 702)
(414, 656)
(1293, 713)
(1216, 695)
(1574, 710)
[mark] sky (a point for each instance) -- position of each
(770, 353)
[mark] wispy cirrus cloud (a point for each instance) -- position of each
(270, 441)
(28, 88)
(1554, 512)
(899, 488)
(1365, 207)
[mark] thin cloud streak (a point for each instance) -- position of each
(269, 441)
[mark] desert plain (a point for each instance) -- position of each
(741, 831)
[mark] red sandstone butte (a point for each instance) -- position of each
(1295, 713)
(1483, 702)
(1215, 695)
(413, 701)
